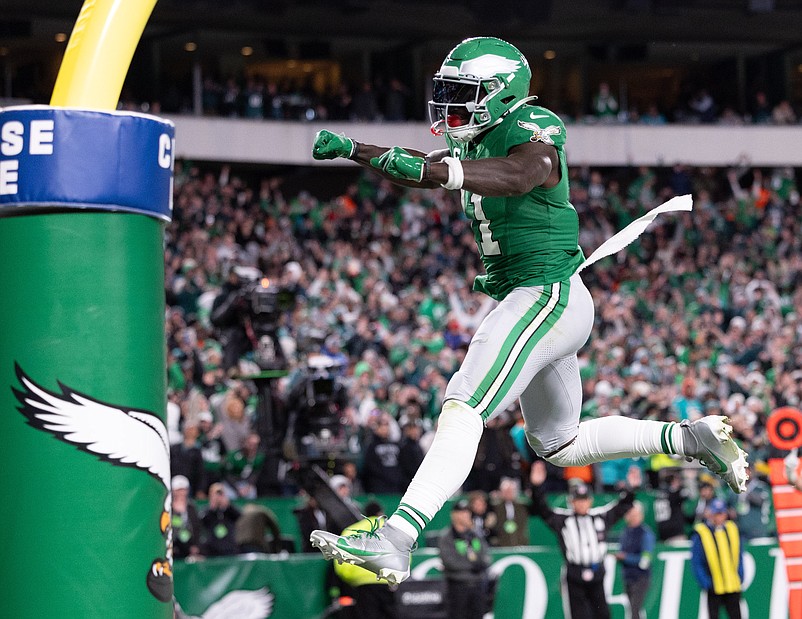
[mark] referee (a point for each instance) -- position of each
(582, 533)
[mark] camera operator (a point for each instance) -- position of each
(228, 309)
(247, 312)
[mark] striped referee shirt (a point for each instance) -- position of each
(583, 539)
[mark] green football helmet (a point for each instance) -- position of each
(481, 80)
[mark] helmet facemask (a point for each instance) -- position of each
(459, 105)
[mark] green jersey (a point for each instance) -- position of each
(527, 240)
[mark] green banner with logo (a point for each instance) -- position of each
(294, 586)
(85, 463)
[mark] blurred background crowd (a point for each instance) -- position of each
(390, 100)
(358, 308)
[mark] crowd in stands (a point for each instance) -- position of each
(257, 98)
(389, 100)
(702, 315)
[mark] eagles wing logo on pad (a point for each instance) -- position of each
(123, 437)
(540, 134)
(239, 604)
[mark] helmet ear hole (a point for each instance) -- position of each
(508, 100)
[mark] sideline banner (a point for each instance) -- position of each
(293, 587)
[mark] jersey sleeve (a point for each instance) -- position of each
(535, 124)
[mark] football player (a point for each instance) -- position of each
(507, 157)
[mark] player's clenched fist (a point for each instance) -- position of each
(329, 145)
(400, 164)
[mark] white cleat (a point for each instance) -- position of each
(368, 549)
(718, 451)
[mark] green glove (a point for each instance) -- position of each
(330, 145)
(399, 163)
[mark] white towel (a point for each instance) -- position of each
(624, 237)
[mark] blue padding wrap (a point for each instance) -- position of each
(63, 159)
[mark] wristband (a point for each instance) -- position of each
(354, 149)
(456, 176)
(426, 169)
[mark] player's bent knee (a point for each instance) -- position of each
(563, 458)
(456, 412)
(458, 406)
(454, 408)
(568, 455)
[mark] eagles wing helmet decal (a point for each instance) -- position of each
(118, 435)
(488, 65)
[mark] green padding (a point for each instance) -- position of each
(82, 318)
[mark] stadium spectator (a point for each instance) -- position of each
(496, 456)
(686, 405)
(235, 424)
(636, 553)
(365, 103)
(484, 520)
(211, 446)
(310, 516)
(254, 98)
(702, 106)
(465, 556)
(783, 113)
(219, 521)
(761, 108)
(410, 454)
(652, 116)
(339, 107)
(708, 491)
(187, 528)
(510, 515)
(351, 473)
(230, 105)
(344, 490)
(381, 467)
(605, 105)
(395, 100)
(186, 460)
(669, 509)
(243, 468)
